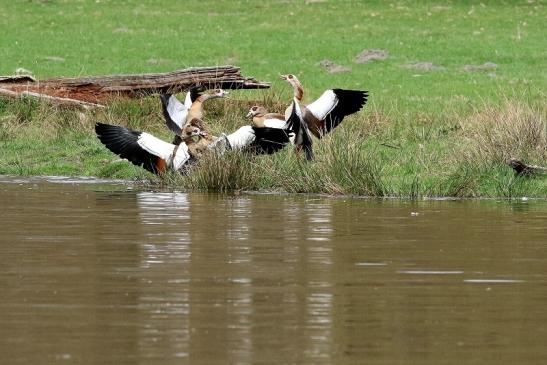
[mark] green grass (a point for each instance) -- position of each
(266, 38)
(424, 133)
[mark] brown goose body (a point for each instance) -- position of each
(196, 109)
(315, 126)
(262, 119)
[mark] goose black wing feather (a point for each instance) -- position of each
(270, 140)
(123, 142)
(349, 102)
(301, 131)
(195, 92)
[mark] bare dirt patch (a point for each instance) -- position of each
(487, 66)
(333, 68)
(158, 61)
(54, 58)
(423, 66)
(122, 30)
(369, 55)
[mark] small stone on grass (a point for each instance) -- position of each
(157, 61)
(54, 58)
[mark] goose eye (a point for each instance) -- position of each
(291, 76)
(254, 108)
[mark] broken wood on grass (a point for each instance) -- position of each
(16, 79)
(523, 169)
(53, 99)
(96, 90)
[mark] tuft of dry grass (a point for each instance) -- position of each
(495, 134)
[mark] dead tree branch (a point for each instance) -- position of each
(525, 170)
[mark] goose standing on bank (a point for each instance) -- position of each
(177, 114)
(261, 119)
(267, 135)
(327, 112)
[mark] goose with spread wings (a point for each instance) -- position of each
(177, 114)
(328, 111)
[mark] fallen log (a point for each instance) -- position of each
(523, 169)
(96, 90)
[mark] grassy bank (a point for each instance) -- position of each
(462, 89)
(375, 153)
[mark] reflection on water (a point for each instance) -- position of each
(100, 273)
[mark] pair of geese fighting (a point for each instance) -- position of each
(267, 134)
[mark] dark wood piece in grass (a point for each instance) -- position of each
(99, 89)
(16, 79)
(523, 169)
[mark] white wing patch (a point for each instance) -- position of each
(324, 105)
(164, 150)
(181, 157)
(241, 138)
(292, 137)
(178, 111)
(155, 146)
(188, 100)
(274, 123)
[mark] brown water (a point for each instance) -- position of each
(98, 273)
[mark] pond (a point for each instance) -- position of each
(97, 272)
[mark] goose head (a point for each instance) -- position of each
(291, 79)
(256, 110)
(219, 93)
(194, 129)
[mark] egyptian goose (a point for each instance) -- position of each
(263, 138)
(153, 154)
(327, 112)
(143, 149)
(178, 114)
(262, 119)
(195, 136)
(259, 140)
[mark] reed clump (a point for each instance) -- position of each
(486, 140)
(233, 170)
(494, 134)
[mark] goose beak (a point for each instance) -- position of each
(225, 94)
(283, 77)
(203, 134)
(249, 114)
